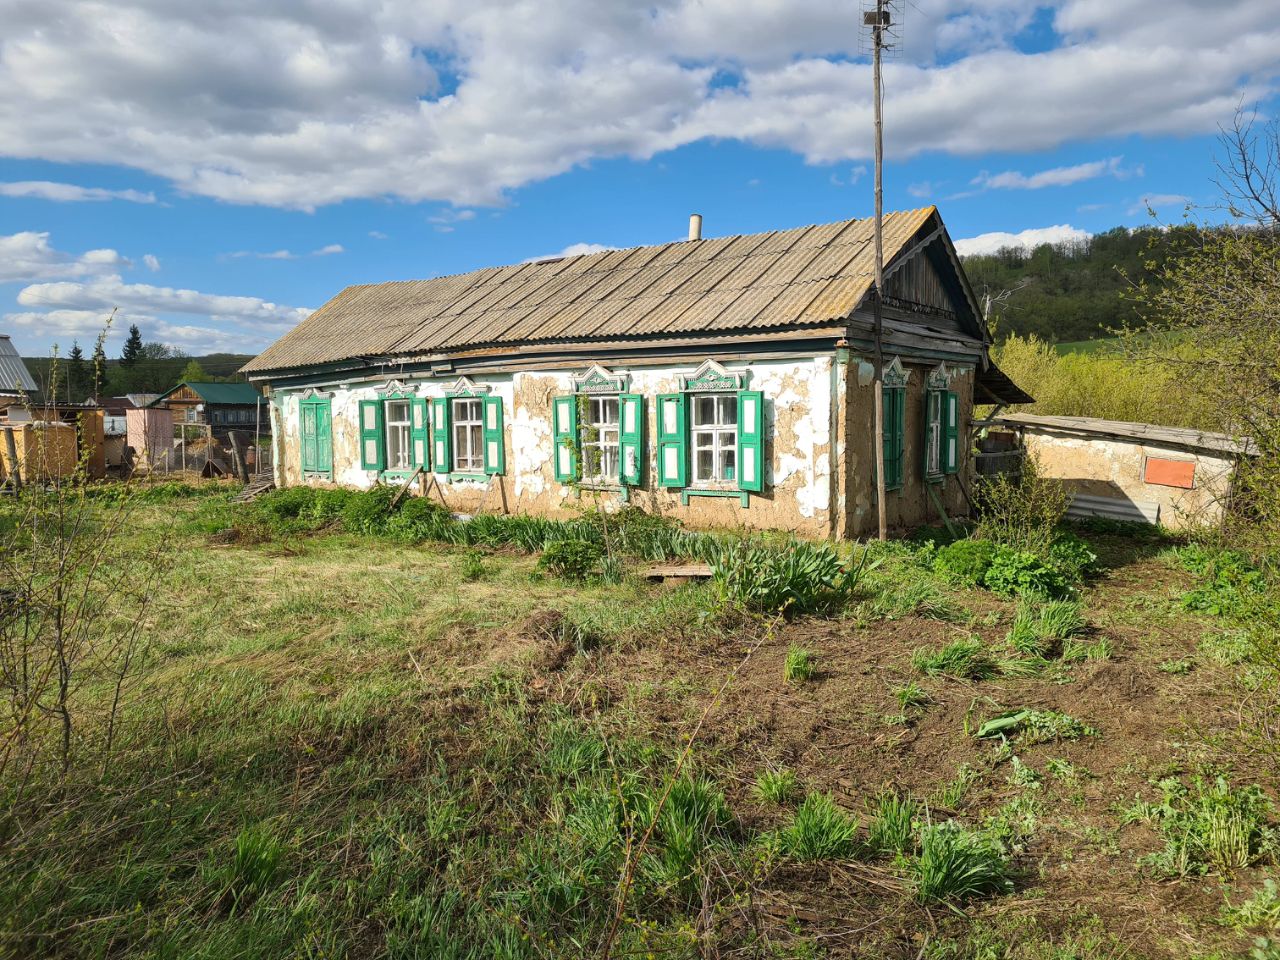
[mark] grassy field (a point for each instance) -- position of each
(348, 746)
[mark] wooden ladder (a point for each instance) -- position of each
(261, 483)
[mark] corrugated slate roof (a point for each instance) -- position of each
(776, 280)
(14, 375)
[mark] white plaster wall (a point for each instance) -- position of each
(798, 430)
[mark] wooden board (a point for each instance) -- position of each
(682, 571)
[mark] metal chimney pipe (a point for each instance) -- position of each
(695, 226)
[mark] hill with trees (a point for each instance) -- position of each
(1071, 291)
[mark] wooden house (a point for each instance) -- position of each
(218, 407)
(725, 382)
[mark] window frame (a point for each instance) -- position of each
(586, 422)
(724, 440)
(475, 443)
(404, 427)
(934, 439)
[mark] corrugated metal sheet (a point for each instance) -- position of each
(14, 375)
(773, 280)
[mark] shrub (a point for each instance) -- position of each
(892, 826)
(571, 559)
(820, 830)
(965, 659)
(799, 666)
(420, 519)
(1210, 825)
(368, 510)
(1019, 572)
(1023, 511)
(965, 560)
(800, 578)
(957, 864)
(776, 786)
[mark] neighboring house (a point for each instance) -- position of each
(724, 382)
(1133, 471)
(15, 378)
(222, 407)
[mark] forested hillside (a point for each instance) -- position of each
(1069, 291)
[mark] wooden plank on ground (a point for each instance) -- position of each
(680, 571)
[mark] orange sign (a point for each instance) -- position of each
(1171, 473)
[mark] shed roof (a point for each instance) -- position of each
(14, 375)
(216, 393)
(785, 279)
(1146, 433)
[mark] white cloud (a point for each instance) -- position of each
(29, 256)
(1028, 239)
(304, 104)
(573, 250)
(1156, 201)
(921, 190)
(377, 235)
(329, 250)
(70, 192)
(151, 261)
(105, 293)
(1056, 177)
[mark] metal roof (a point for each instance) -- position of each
(216, 393)
(769, 281)
(14, 375)
(1147, 433)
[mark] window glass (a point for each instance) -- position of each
(600, 439)
(715, 438)
(468, 436)
(397, 434)
(933, 464)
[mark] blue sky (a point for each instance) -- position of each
(217, 172)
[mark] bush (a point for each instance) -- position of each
(1021, 511)
(368, 510)
(965, 659)
(799, 578)
(820, 830)
(571, 559)
(965, 560)
(420, 519)
(1020, 573)
(956, 864)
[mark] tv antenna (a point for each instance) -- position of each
(884, 20)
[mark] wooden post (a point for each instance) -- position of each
(15, 470)
(877, 36)
(237, 460)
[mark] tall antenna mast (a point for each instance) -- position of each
(879, 20)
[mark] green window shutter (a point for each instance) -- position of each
(673, 440)
(564, 410)
(750, 440)
(631, 438)
(440, 435)
(308, 416)
(495, 459)
(894, 419)
(951, 433)
(419, 445)
(371, 446)
(324, 437)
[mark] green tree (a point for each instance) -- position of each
(133, 346)
(193, 372)
(77, 372)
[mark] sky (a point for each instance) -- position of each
(214, 172)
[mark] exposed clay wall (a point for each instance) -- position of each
(910, 506)
(799, 422)
(1114, 468)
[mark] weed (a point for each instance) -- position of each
(798, 666)
(694, 820)
(952, 795)
(1020, 573)
(1020, 775)
(958, 864)
(1262, 909)
(918, 598)
(964, 658)
(571, 559)
(778, 787)
(1230, 648)
(253, 867)
(1179, 667)
(1034, 726)
(891, 830)
(911, 695)
(1076, 651)
(1207, 826)
(820, 830)
(965, 561)
(473, 566)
